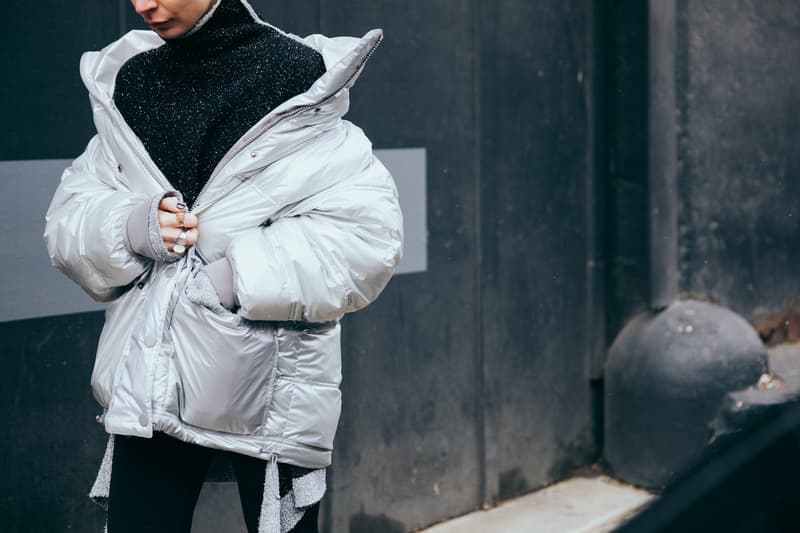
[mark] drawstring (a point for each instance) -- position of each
(102, 484)
(270, 519)
(281, 514)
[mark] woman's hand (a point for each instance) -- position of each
(174, 221)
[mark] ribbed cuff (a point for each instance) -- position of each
(221, 275)
(143, 232)
(135, 237)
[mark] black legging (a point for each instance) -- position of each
(155, 484)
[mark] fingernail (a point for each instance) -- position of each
(180, 205)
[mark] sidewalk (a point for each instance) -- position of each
(577, 505)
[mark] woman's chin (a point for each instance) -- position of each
(169, 30)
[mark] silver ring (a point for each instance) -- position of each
(180, 243)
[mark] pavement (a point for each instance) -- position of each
(576, 505)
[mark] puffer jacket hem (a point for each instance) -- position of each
(261, 447)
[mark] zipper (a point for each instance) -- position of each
(145, 276)
(249, 137)
(147, 162)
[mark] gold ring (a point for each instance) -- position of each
(181, 218)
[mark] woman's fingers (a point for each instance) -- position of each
(170, 235)
(168, 219)
(189, 221)
(171, 204)
(176, 222)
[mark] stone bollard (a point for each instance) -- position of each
(665, 379)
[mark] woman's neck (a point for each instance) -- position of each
(226, 24)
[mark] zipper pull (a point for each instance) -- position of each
(145, 276)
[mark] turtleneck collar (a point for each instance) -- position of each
(205, 18)
(227, 22)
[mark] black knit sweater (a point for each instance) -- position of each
(192, 98)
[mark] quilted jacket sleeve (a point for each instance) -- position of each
(334, 258)
(85, 226)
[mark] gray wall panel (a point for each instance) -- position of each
(32, 288)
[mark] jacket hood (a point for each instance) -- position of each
(344, 59)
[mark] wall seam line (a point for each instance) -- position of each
(480, 362)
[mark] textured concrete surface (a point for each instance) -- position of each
(577, 505)
(736, 86)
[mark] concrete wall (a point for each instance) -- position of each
(464, 384)
(702, 171)
(739, 167)
(626, 161)
(536, 237)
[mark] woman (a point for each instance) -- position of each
(230, 217)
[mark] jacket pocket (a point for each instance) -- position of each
(304, 412)
(225, 366)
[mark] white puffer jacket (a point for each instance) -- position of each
(310, 223)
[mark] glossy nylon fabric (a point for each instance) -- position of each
(310, 222)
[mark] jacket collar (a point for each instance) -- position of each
(344, 59)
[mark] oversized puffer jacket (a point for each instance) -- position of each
(310, 222)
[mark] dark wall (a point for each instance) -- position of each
(534, 149)
(463, 385)
(706, 92)
(626, 144)
(42, 94)
(408, 451)
(50, 442)
(739, 180)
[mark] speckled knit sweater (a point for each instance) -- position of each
(191, 99)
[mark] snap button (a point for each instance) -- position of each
(170, 272)
(143, 420)
(149, 340)
(253, 154)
